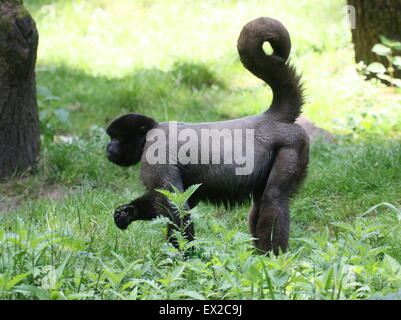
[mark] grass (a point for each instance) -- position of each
(98, 59)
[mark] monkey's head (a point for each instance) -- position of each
(127, 138)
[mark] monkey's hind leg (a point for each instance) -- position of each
(253, 217)
(271, 223)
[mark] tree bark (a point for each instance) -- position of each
(19, 121)
(375, 18)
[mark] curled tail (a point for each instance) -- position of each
(273, 69)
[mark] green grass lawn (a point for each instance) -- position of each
(177, 60)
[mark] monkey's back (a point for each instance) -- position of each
(224, 179)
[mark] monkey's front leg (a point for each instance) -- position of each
(142, 208)
(151, 205)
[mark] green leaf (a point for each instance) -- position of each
(62, 114)
(381, 50)
(329, 278)
(114, 277)
(390, 43)
(177, 272)
(49, 281)
(37, 292)
(397, 62)
(376, 67)
(127, 285)
(268, 280)
(61, 267)
(384, 77)
(391, 264)
(191, 294)
(167, 193)
(18, 278)
(134, 294)
(254, 272)
(43, 114)
(344, 226)
(397, 82)
(191, 190)
(383, 204)
(43, 92)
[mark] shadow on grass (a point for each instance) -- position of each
(187, 92)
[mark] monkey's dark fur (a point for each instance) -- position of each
(281, 151)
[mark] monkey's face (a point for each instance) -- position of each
(127, 138)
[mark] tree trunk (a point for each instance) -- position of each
(19, 122)
(375, 18)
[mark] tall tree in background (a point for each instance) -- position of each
(19, 123)
(375, 18)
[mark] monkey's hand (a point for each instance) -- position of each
(124, 215)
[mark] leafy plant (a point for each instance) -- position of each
(178, 200)
(51, 114)
(386, 49)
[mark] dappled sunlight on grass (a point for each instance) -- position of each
(114, 39)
